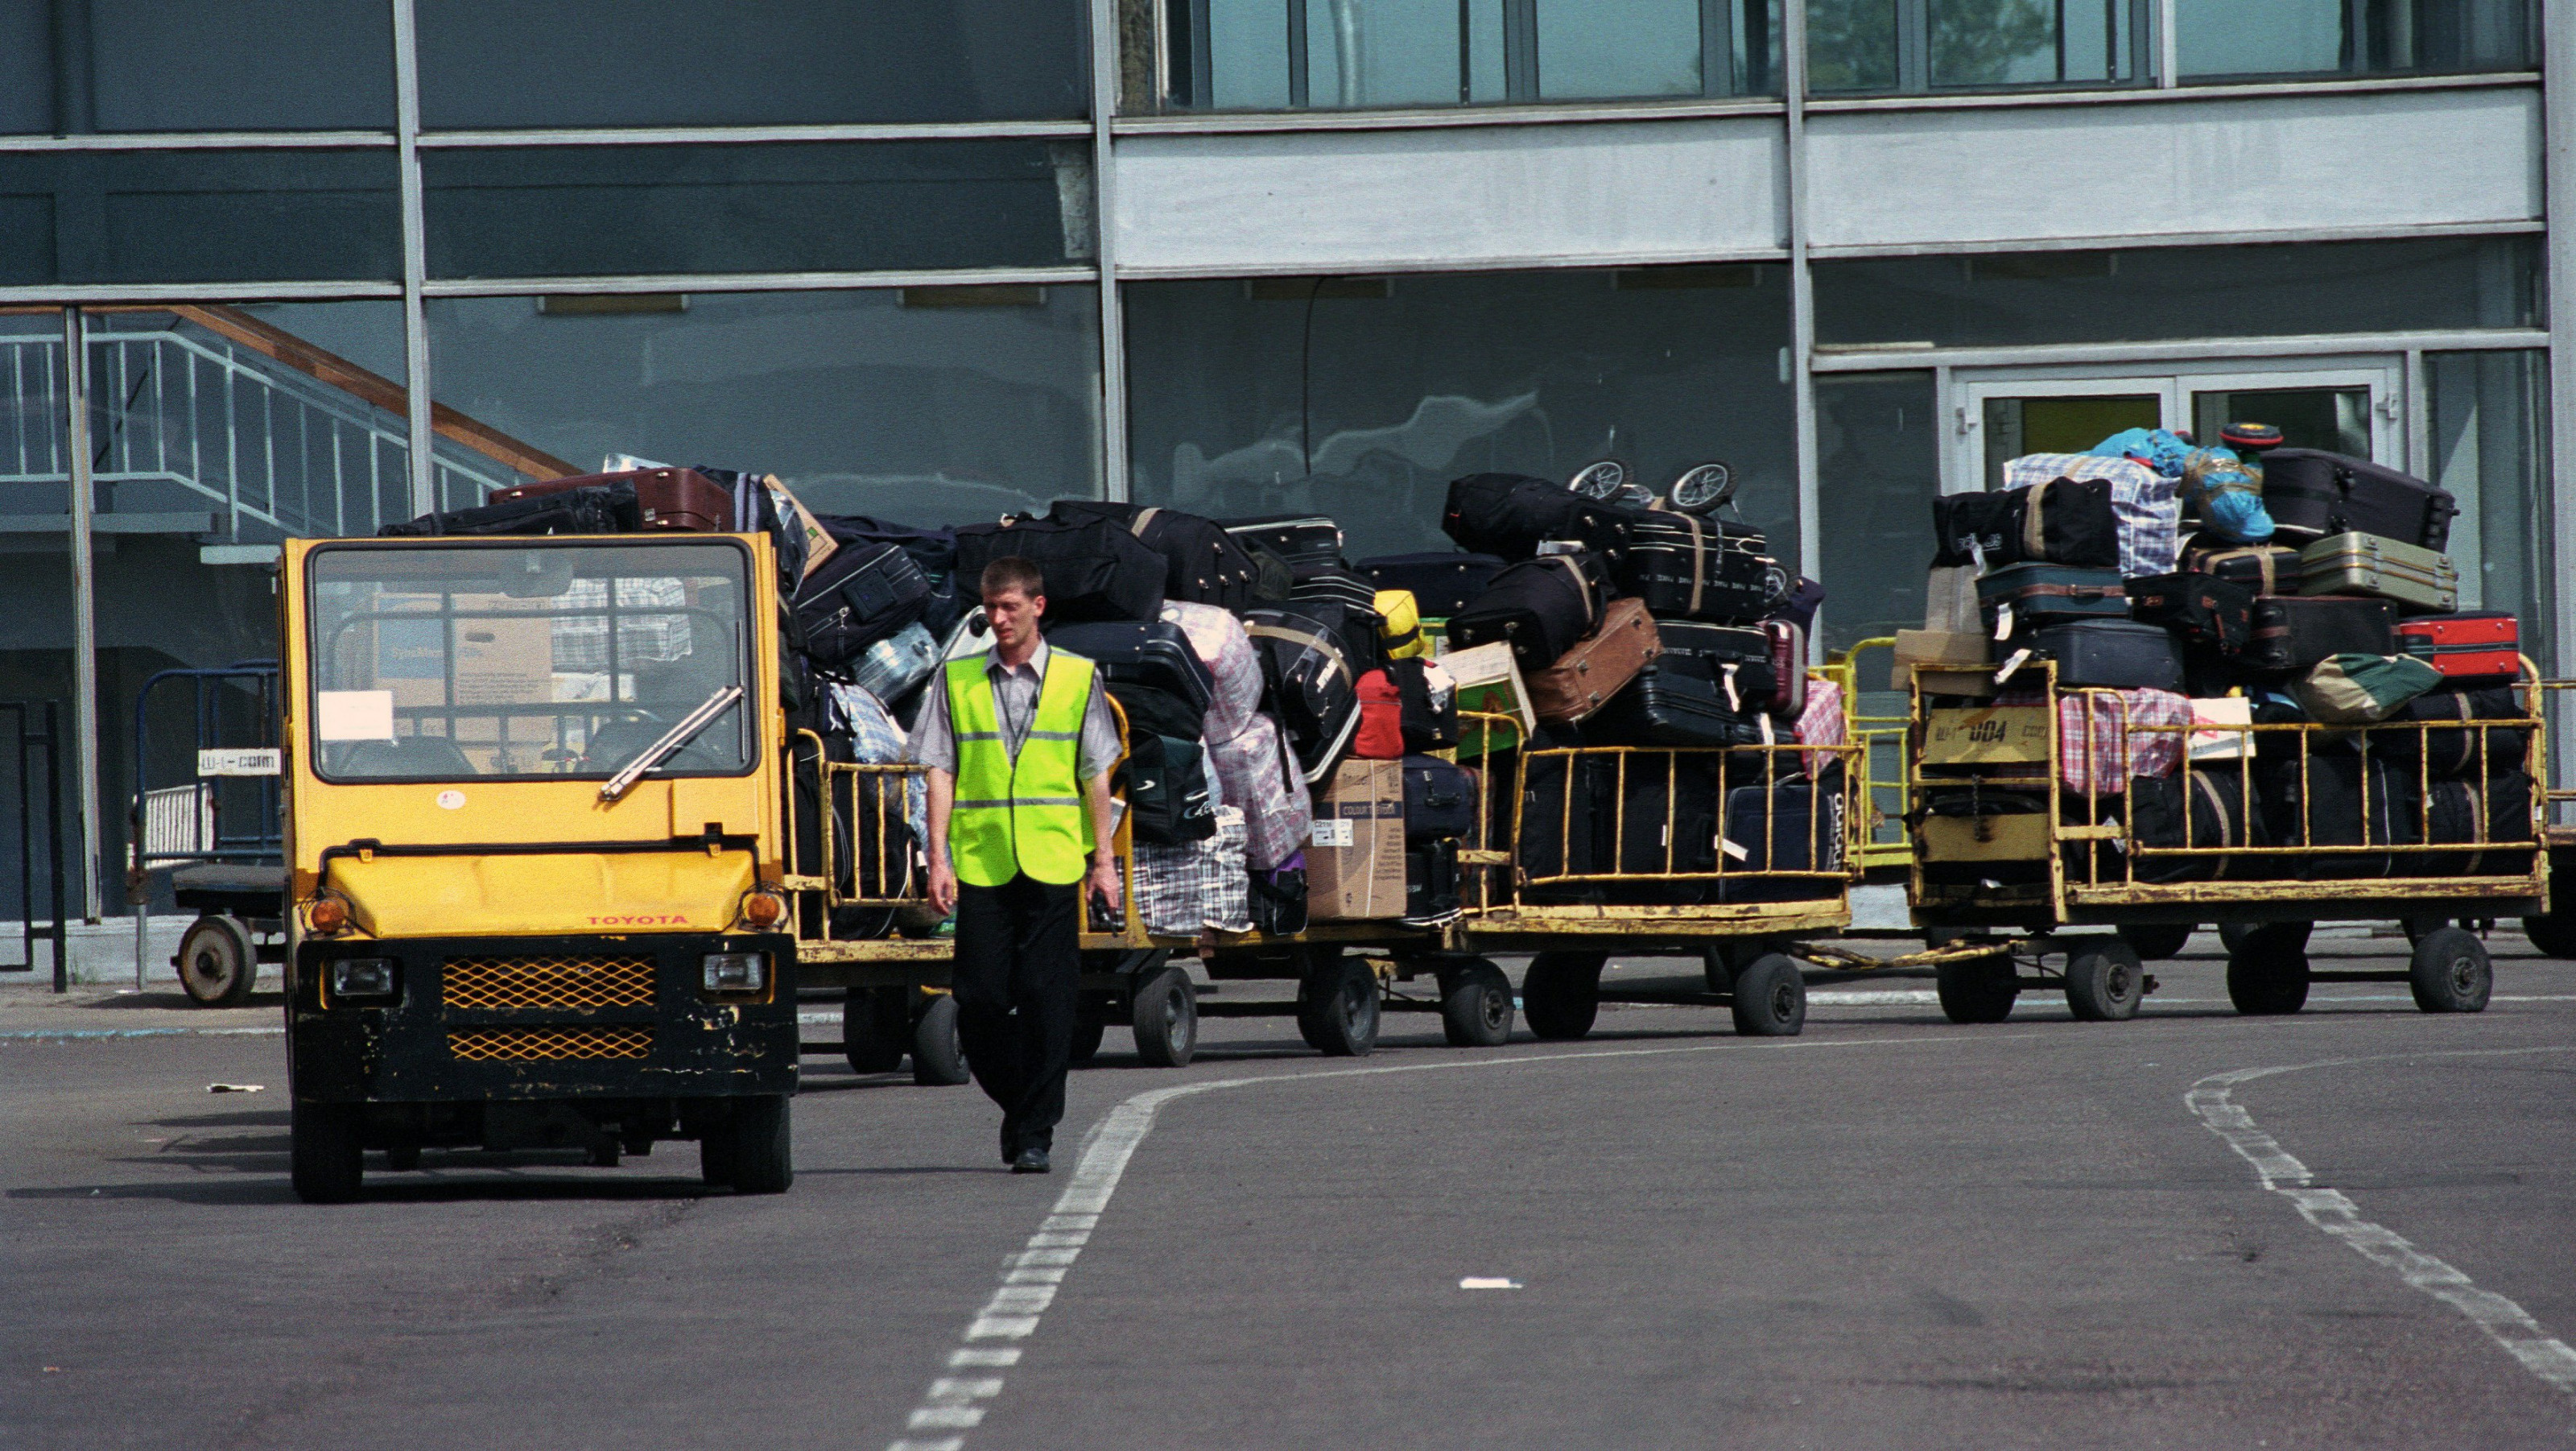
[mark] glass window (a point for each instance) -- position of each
(836, 207)
(548, 63)
(2038, 42)
(1877, 471)
(2491, 451)
(78, 66)
(1620, 48)
(199, 216)
(441, 662)
(2179, 292)
(1851, 45)
(1385, 53)
(1361, 398)
(930, 405)
(2220, 39)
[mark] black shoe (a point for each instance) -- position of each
(1032, 1160)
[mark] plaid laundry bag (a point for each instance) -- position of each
(1821, 724)
(2146, 504)
(1182, 891)
(2100, 745)
(882, 742)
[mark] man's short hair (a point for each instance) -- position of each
(1010, 572)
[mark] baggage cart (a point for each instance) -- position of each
(2024, 883)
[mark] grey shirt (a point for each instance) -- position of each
(1015, 700)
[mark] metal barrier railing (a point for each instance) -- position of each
(34, 729)
(1885, 766)
(861, 855)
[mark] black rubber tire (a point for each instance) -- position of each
(1977, 989)
(763, 1162)
(1090, 1026)
(329, 1150)
(218, 967)
(874, 1028)
(1165, 1015)
(2451, 972)
(1338, 1011)
(2156, 941)
(715, 1155)
(937, 1059)
(2105, 981)
(1770, 998)
(2267, 973)
(2554, 934)
(2416, 928)
(1561, 994)
(1476, 1005)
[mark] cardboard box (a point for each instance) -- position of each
(1956, 658)
(1355, 860)
(1489, 681)
(2220, 744)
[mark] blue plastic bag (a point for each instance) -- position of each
(2154, 447)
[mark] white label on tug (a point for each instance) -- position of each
(451, 800)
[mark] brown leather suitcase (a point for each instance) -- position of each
(1598, 667)
(682, 499)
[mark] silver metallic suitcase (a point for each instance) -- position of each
(2368, 565)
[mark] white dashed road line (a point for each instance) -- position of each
(2507, 1323)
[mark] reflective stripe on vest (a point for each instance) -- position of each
(1023, 815)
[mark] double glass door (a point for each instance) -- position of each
(2002, 414)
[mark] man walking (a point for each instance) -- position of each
(1020, 744)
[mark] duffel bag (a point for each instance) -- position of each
(1509, 515)
(935, 550)
(2496, 809)
(2342, 800)
(2055, 521)
(2144, 502)
(862, 594)
(581, 511)
(1202, 564)
(1540, 607)
(1167, 790)
(1439, 799)
(2211, 806)
(1093, 568)
(2462, 749)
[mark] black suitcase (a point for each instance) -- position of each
(862, 594)
(1668, 826)
(1509, 515)
(1741, 653)
(2497, 809)
(1093, 569)
(2294, 632)
(1541, 606)
(2112, 655)
(1800, 830)
(2265, 569)
(1335, 584)
(1439, 799)
(1685, 567)
(2200, 609)
(1296, 539)
(1308, 674)
(2041, 595)
(2213, 801)
(1568, 824)
(1158, 711)
(1442, 584)
(1676, 703)
(1149, 653)
(581, 511)
(1202, 564)
(2344, 795)
(1427, 726)
(2457, 750)
(1430, 882)
(1167, 790)
(2075, 525)
(2311, 494)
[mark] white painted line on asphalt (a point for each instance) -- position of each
(87, 1035)
(2507, 1323)
(1486, 1282)
(955, 1403)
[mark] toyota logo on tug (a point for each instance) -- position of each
(649, 919)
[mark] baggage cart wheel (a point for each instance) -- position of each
(761, 1161)
(1166, 1019)
(1476, 1005)
(2267, 972)
(1090, 1025)
(1977, 989)
(2105, 981)
(2418, 928)
(2157, 941)
(1770, 998)
(937, 1059)
(217, 964)
(1561, 993)
(329, 1151)
(1337, 1009)
(2451, 973)
(715, 1155)
(874, 1028)
(2554, 934)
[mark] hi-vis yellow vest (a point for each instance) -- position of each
(1024, 815)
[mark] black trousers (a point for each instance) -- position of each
(1016, 975)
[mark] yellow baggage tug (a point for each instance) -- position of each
(534, 852)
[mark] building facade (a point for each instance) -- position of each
(299, 267)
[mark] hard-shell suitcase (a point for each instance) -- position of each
(2041, 595)
(1297, 539)
(1380, 736)
(1254, 772)
(2113, 655)
(2311, 494)
(1584, 678)
(2056, 521)
(2294, 632)
(1691, 568)
(1541, 607)
(2476, 645)
(1784, 825)
(863, 593)
(1430, 883)
(1092, 569)
(1399, 625)
(2365, 564)
(1439, 799)
(2462, 749)
(1736, 657)
(1788, 668)
(1233, 666)
(1680, 702)
(894, 665)
(681, 499)
(1442, 584)
(2342, 800)
(1154, 654)
(2199, 609)
(1167, 790)
(2495, 809)
(1202, 563)
(1312, 682)
(2266, 569)
(1509, 514)
(1334, 583)
(2219, 816)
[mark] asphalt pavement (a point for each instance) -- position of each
(2348, 1228)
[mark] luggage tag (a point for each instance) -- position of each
(1734, 852)
(2019, 658)
(2003, 621)
(1734, 702)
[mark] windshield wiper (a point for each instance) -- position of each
(671, 741)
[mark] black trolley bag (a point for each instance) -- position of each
(1093, 569)
(1800, 831)
(2311, 494)
(1335, 584)
(1203, 564)
(2496, 809)
(1541, 606)
(1150, 654)
(2112, 655)
(1568, 819)
(2338, 797)
(1677, 701)
(862, 594)
(1687, 567)
(1431, 892)
(2294, 632)
(1296, 539)
(2200, 609)
(1311, 682)
(1442, 584)
(1510, 515)
(597, 510)
(1668, 826)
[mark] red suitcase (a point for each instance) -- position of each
(2479, 645)
(664, 498)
